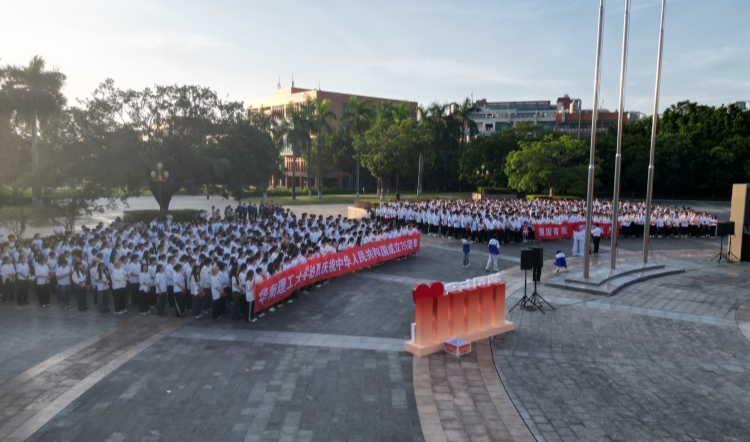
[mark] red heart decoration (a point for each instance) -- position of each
(421, 291)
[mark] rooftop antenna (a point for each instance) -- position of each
(278, 85)
(318, 84)
(292, 79)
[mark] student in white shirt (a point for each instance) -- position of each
(62, 273)
(119, 286)
(41, 273)
(250, 294)
(79, 285)
(197, 293)
(161, 290)
(180, 289)
(22, 280)
(103, 286)
(216, 292)
(144, 289)
(8, 279)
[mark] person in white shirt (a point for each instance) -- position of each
(41, 273)
(596, 232)
(180, 290)
(216, 292)
(62, 273)
(144, 290)
(8, 279)
(119, 287)
(250, 294)
(103, 286)
(493, 248)
(22, 280)
(133, 269)
(79, 285)
(197, 294)
(161, 290)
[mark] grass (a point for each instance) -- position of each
(303, 199)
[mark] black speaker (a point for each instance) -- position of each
(730, 228)
(538, 257)
(721, 230)
(527, 259)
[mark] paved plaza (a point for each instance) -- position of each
(667, 360)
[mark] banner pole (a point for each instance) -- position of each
(618, 156)
(592, 152)
(654, 126)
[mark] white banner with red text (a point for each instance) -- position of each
(281, 285)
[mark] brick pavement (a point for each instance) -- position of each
(640, 369)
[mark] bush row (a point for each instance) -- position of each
(134, 216)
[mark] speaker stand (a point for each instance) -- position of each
(525, 300)
(731, 257)
(536, 300)
(721, 255)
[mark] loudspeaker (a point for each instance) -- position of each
(721, 230)
(538, 257)
(730, 228)
(527, 259)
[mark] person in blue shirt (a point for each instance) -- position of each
(494, 251)
(466, 249)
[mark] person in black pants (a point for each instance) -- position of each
(596, 232)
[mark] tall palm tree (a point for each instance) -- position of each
(35, 94)
(358, 118)
(295, 126)
(322, 114)
(463, 114)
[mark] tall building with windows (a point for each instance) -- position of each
(295, 96)
(565, 115)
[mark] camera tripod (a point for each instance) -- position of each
(533, 302)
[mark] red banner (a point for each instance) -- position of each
(565, 230)
(281, 285)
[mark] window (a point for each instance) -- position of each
(344, 108)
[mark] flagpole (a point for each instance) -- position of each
(620, 121)
(592, 152)
(654, 126)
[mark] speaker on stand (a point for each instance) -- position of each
(532, 259)
(527, 263)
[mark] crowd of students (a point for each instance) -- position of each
(514, 220)
(211, 264)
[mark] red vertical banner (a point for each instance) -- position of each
(280, 286)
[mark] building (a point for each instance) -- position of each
(744, 105)
(565, 115)
(277, 104)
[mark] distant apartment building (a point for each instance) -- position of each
(565, 115)
(744, 105)
(277, 104)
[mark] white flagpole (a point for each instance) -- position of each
(650, 185)
(592, 153)
(620, 120)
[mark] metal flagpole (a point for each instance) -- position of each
(592, 154)
(618, 156)
(650, 186)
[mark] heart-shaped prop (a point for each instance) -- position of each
(421, 291)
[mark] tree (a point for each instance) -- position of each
(321, 115)
(468, 126)
(176, 126)
(35, 94)
(246, 157)
(554, 162)
(389, 147)
(358, 117)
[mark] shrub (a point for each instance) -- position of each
(556, 197)
(134, 216)
(495, 190)
(363, 204)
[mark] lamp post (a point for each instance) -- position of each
(160, 177)
(481, 174)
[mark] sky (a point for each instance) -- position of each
(432, 50)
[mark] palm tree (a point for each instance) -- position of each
(322, 114)
(294, 126)
(463, 114)
(358, 117)
(35, 94)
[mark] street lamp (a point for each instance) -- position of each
(481, 174)
(160, 177)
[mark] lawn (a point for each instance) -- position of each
(303, 199)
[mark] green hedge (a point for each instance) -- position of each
(134, 216)
(556, 197)
(495, 190)
(280, 191)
